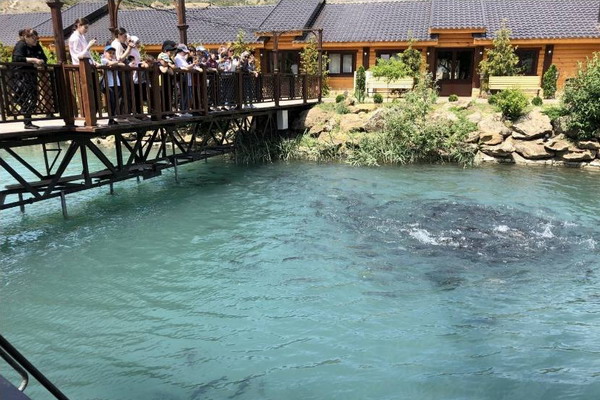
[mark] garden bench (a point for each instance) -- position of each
(528, 84)
(375, 85)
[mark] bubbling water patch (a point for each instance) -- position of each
(479, 233)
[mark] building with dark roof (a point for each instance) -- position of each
(452, 34)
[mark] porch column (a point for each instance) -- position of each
(57, 27)
(548, 53)
(431, 60)
(113, 15)
(366, 52)
(476, 60)
(182, 25)
(320, 50)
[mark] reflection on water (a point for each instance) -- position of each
(312, 281)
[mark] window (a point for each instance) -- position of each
(341, 63)
(386, 54)
(528, 61)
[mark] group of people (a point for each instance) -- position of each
(124, 51)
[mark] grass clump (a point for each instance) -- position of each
(452, 98)
(411, 136)
(340, 98)
(537, 101)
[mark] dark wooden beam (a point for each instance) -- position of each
(366, 55)
(476, 60)
(548, 54)
(57, 27)
(181, 21)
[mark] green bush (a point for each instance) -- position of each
(501, 59)
(342, 108)
(555, 112)
(512, 103)
(581, 99)
(452, 98)
(549, 82)
(492, 100)
(407, 63)
(377, 98)
(361, 80)
(339, 98)
(537, 101)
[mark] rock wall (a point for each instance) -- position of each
(532, 140)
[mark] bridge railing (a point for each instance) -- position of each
(90, 93)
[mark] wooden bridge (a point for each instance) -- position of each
(163, 120)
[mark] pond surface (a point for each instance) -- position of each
(304, 281)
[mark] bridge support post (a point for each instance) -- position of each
(63, 204)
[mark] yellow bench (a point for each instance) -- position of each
(528, 84)
(373, 84)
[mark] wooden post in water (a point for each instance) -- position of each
(181, 21)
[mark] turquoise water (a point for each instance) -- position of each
(304, 281)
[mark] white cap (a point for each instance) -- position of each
(134, 39)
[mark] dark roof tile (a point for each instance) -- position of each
(375, 21)
(457, 14)
(544, 19)
(291, 15)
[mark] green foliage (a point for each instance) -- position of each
(309, 64)
(406, 64)
(512, 103)
(537, 101)
(412, 136)
(555, 112)
(452, 98)
(377, 98)
(361, 82)
(581, 99)
(549, 82)
(501, 58)
(5, 53)
(95, 56)
(305, 147)
(342, 108)
(240, 45)
(339, 98)
(492, 99)
(50, 55)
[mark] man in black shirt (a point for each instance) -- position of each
(24, 77)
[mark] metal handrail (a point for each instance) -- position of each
(21, 364)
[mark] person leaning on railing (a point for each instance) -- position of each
(23, 80)
(111, 81)
(166, 66)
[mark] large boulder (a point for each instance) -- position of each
(490, 138)
(558, 144)
(353, 122)
(520, 160)
(444, 115)
(533, 150)
(363, 107)
(376, 121)
(475, 118)
(472, 137)
(504, 149)
(575, 154)
(313, 120)
(531, 126)
(561, 126)
(588, 145)
(493, 124)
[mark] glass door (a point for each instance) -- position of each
(454, 71)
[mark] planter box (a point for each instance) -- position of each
(528, 84)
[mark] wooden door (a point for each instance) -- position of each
(454, 69)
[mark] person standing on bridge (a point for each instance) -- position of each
(79, 47)
(23, 81)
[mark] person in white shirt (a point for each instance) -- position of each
(79, 47)
(122, 45)
(185, 85)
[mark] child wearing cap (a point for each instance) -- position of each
(166, 65)
(111, 81)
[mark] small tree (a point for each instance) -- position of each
(549, 82)
(240, 45)
(581, 99)
(309, 64)
(501, 59)
(412, 59)
(392, 69)
(361, 81)
(50, 55)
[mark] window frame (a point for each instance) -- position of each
(379, 52)
(536, 57)
(343, 53)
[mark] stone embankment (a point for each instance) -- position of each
(533, 140)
